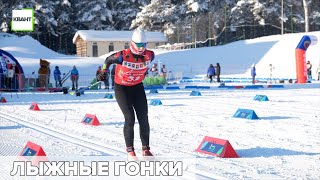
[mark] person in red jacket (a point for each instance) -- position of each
(131, 66)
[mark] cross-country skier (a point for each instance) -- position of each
(131, 66)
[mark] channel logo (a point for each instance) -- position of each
(22, 20)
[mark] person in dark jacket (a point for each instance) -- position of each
(253, 73)
(57, 76)
(99, 76)
(309, 71)
(131, 66)
(102, 75)
(113, 72)
(218, 70)
(211, 72)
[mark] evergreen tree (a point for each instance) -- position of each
(181, 20)
(65, 25)
(93, 14)
(124, 11)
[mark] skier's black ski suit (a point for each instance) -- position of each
(131, 98)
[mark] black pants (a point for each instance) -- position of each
(210, 77)
(106, 83)
(75, 84)
(112, 80)
(131, 100)
(58, 83)
(309, 77)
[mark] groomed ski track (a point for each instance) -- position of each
(104, 149)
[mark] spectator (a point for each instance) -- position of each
(113, 72)
(147, 73)
(163, 71)
(253, 73)
(309, 70)
(10, 77)
(2, 80)
(154, 70)
(102, 75)
(218, 70)
(318, 71)
(57, 76)
(99, 76)
(16, 77)
(74, 78)
(210, 72)
(49, 72)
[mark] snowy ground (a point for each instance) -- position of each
(283, 144)
(235, 58)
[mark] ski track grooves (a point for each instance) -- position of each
(105, 150)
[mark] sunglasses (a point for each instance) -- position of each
(139, 45)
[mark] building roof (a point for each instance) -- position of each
(94, 35)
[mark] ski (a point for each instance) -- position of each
(83, 89)
(65, 77)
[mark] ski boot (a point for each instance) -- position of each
(131, 154)
(147, 155)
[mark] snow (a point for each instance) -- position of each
(193, 5)
(236, 58)
(95, 35)
(283, 144)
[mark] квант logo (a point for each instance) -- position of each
(22, 20)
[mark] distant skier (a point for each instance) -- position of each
(74, 78)
(131, 66)
(57, 76)
(211, 72)
(253, 73)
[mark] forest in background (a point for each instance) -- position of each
(209, 22)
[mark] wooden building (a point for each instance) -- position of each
(92, 43)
